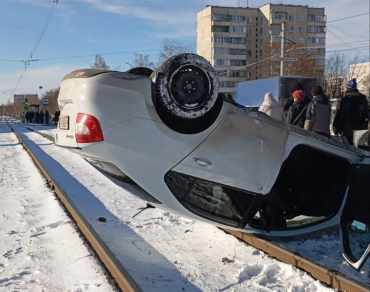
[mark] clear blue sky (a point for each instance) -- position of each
(85, 27)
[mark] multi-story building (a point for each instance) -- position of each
(32, 98)
(239, 42)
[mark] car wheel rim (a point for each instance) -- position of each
(190, 87)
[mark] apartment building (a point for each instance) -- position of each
(32, 98)
(239, 42)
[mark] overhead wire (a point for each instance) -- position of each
(39, 38)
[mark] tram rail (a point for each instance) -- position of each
(122, 278)
(119, 276)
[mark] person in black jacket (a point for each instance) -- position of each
(318, 113)
(352, 112)
(297, 112)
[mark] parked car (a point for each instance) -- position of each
(203, 158)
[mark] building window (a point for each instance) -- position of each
(291, 17)
(249, 20)
(291, 28)
(275, 38)
(301, 18)
(238, 74)
(249, 42)
(249, 31)
(320, 62)
(238, 41)
(277, 27)
(222, 51)
(249, 53)
(237, 62)
(300, 52)
(278, 16)
(321, 29)
(301, 29)
(221, 29)
(301, 40)
(249, 74)
(313, 40)
(237, 52)
(222, 62)
(222, 40)
(238, 29)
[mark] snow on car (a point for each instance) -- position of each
(198, 156)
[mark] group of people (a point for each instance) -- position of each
(39, 117)
(352, 111)
(36, 117)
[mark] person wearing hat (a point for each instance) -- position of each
(271, 107)
(352, 113)
(318, 113)
(297, 112)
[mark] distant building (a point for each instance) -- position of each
(32, 98)
(235, 40)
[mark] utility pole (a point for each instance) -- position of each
(283, 38)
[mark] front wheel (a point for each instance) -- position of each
(186, 92)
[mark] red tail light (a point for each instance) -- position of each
(88, 129)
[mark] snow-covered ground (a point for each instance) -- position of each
(39, 249)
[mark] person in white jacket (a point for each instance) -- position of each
(271, 107)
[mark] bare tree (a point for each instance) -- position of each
(335, 72)
(304, 66)
(99, 63)
(143, 60)
(52, 95)
(171, 48)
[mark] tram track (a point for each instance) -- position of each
(125, 282)
(119, 276)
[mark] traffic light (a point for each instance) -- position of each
(26, 101)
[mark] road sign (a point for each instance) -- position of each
(284, 59)
(24, 103)
(45, 101)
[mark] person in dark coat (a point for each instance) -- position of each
(352, 113)
(27, 117)
(41, 117)
(32, 117)
(47, 117)
(56, 116)
(297, 112)
(37, 115)
(318, 113)
(287, 102)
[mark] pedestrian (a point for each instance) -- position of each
(32, 117)
(23, 117)
(27, 116)
(352, 113)
(47, 117)
(41, 117)
(56, 116)
(37, 115)
(297, 112)
(271, 107)
(318, 113)
(287, 103)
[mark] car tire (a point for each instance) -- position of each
(142, 71)
(187, 93)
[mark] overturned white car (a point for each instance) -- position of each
(201, 157)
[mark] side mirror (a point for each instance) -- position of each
(355, 220)
(356, 242)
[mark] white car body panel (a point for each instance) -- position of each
(246, 149)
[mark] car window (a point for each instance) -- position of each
(210, 200)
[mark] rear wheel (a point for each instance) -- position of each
(187, 91)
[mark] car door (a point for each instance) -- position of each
(355, 219)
